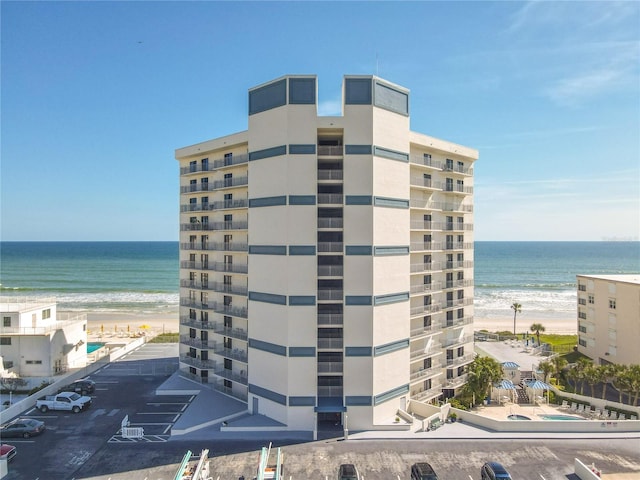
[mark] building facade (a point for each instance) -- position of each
(609, 318)
(37, 341)
(327, 261)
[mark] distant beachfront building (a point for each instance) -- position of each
(609, 318)
(326, 262)
(37, 341)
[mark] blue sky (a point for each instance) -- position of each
(97, 96)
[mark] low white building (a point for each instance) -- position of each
(37, 341)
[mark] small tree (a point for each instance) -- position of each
(483, 372)
(547, 369)
(559, 363)
(537, 328)
(517, 308)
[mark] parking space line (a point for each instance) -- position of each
(175, 419)
(166, 403)
(107, 381)
(167, 429)
(156, 413)
(160, 423)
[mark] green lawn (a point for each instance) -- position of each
(165, 338)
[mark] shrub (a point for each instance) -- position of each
(39, 387)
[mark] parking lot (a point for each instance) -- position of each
(89, 445)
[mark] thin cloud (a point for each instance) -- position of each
(575, 89)
(330, 107)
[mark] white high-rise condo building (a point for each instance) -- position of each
(326, 262)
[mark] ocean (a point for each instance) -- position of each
(142, 277)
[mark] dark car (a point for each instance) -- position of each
(83, 387)
(8, 451)
(22, 427)
(348, 471)
(423, 471)
(494, 471)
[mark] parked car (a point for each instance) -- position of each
(348, 471)
(8, 451)
(83, 386)
(423, 471)
(63, 401)
(494, 471)
(22, 427)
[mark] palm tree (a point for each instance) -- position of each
(581, 367)
(618, 379)
(547, 369)
(537, 328)
(517, 308)
(559, 363)
(635, 383)
(483, 372)
(592, 377)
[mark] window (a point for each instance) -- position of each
(205, 164)
(612, 303)
(228, 364)
(427, 158)
(193, 166)
(46, 313)
(5, 340)
(449, 185)
(460, 166)
(449, 164)
(461, 313)
(34, 362)
(592, 299)
(6, 321)
(228, 179)
(228, 158)
(583, 343)
(426, 321)
(227, 384)
(426, 280)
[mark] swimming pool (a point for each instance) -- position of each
(559, 417)
(517, 417)
(93, 346)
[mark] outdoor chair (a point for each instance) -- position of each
(574, 407)
(605, 414)
(613, 416)
(622, 416)
(581, 408)
(565, 404)
(633, 417)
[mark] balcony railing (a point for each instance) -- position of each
(330, 294)
(330, 343)
(216, 266)
(216, 246)
(452, 342)
(330, 222)
(424, 183)
(439, 165)
(426, 373)
(327, 174)
(209, 226)
(425, 267)
(424, 288)
(207, 207)
(466, 358)
(457, 322)
(330, 367)
(198, 363)
(235, 353)
(457, 189)
(457, 381)
(218, 184)
(458, 302)
(458, 264)
(235, 159)
(426, 395)
(192, 376)
(330, 150)
(240, 395)
(427, 204)
(195, 323)
(330, 318)
(238, 333)
(330, 270)
(216, 307)
(330, 198)
(196, 342)
(434, 349)
(215, 287)
(415, 332)
(422, 309)
(230, 375)
(458, 246)
(330, 247)
(425, 246)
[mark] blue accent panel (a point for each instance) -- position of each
(268, 152)
(302, 91)
(357, 401)
(268, 394)
(302, 199)
(302, 149)
(388, 395)
(390, 154)
(302, 249)
(389, 98)
(302, 401)
(303, 300)
(268, 298)
(390, 347)
(383, 251)
(268, 249)
(358, 249)
(390, 202)
(357, 300)
(357, 351)
(268, 347)
(302, 351)
(267, 201)
(358, 91)
(358, 200)
(268, 97)
(391, 298)
(357, 149)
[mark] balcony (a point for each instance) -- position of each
(458, 246)
(327, 174)
(215, 266)
(422, 330)
(220, 387)
(426, 395)
(424, 309)
(459, 283)
(458, 322)
(237, 333)
(192, 376)
(229, 375)
(425, 162)
(330, 367)
(426, 373)
(458, 361)
(330, 270)
(428, 204)
(235, 354)
(198, 363)
(330, 222)
(210, 226)
(330, 343)
(458, 302)
(425, 246)
(216, 307)
(330, 294)
(456, 382)
(325, 391)
(461, 189)
(215, 287)
(208, 207)
(425, 267)
(330, 150)
(197, 343)
(330, 318)
(425, 288)
(453, 342)
(422, 182)
(326, 247)
(195, 323)
(330, 199)
(422, 354)
(216, 246)
(458, 264)
(216, 164)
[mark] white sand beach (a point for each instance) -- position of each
(566, 326)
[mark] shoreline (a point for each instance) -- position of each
(170, 322)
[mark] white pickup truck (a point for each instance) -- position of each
(63, 401)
